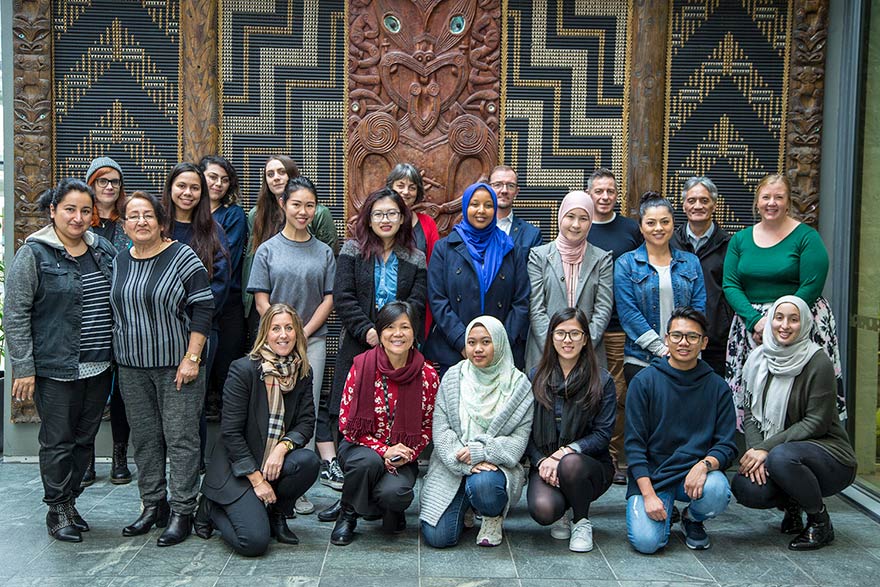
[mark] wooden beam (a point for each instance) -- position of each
(199, 129)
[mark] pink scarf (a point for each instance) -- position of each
(572, 252)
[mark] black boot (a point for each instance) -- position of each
(279, 529)
(59, 523)
(89, 475)
(202, 524)
(393, 522)
(77, 519)
(119, 471)
(343, 531)
(153, 514)
(332, 513)
(817, 534)
(792, 521)
(178, 530)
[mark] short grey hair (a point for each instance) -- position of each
(703, 181)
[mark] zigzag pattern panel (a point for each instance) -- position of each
(282, 67)
(116, 81)
(726, 98)
(565, 100)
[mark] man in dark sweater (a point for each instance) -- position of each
(680, 424)
(612, 232)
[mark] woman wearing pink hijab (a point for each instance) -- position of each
(570, 272)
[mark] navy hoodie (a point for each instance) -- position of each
(673, 419)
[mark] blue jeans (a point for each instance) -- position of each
(648, 536)
(486, 492)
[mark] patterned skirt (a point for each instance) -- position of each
(740, 344)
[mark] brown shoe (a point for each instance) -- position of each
(619, 477)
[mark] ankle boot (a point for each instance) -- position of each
(202, 524)
(59, 523)
(178, 530)
(89, 475)
(331, 513)
(120, 474)
(153, 514)
(817, 534)
(77, 519)
(279, 529)
(343, 531)
(393, 522)
(792, 521)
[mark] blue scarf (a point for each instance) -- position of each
(487, 246)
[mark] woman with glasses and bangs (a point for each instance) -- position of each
(575, 410)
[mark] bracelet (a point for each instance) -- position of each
(551, 457)
(192, 357)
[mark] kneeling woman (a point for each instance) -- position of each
(798, 451)
(575, 409)
(482, 421)
(259, 467)
(385, 416)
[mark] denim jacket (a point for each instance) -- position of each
(637, 293)
(43, 307)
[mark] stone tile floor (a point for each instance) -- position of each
(746, 550)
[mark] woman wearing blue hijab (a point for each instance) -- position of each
(476, 270)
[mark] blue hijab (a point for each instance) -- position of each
(487, 246)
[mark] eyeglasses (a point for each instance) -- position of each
(379, 216)
(500, 184)
(137, 218)
(691, 337)
(574, 335)
(103, 181)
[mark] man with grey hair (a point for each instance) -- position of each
(708, 241)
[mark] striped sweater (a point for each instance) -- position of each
(156, 303)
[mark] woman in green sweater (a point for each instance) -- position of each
(778, 256)
(798, 451)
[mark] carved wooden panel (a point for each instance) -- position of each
(424, 87)
(199, 100)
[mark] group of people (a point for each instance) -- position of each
(565, 366)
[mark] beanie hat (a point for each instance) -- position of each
(100, 162)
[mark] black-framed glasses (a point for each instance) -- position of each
(103, 181)
(500, 184)
(379, 216)
(691, 337)
(574, 335)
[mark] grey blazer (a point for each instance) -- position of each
(595, 296)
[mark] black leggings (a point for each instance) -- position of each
(582, 480)
(802, 471)
(118, 421)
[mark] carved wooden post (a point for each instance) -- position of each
(199, 96)
(649, 29)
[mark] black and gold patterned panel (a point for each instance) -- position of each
(116, 72)
(564, 100)
(282, 91)
(726, 98)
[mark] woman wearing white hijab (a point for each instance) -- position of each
(798, 451)
(482, 420)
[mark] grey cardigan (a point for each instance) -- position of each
(503, 444)
(595, 296)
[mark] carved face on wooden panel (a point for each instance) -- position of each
(424, 89)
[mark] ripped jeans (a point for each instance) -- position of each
(648, 536)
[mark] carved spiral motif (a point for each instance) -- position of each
(378, 132)
(468, 135)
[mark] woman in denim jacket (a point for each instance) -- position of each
(650, 282)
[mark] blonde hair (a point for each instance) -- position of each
(300, 345)
(770, 179)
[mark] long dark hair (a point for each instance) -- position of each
(205, 240)
(232, 192)
(269, 218)
(585, 379)
(368, 241)
(53, 196)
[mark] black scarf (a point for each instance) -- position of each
(576, 422)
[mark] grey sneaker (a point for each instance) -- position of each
(490, 531)
(561, 528)
(303, 506)
(694, 533)
(331, 474)
(581, 536)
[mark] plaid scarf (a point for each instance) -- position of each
(278, 373)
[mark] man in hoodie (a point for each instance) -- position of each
(679, 439)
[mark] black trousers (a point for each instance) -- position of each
(630, 370)
(802, 471)
(244, 523)
(70, 414)
(582, 480)
(230, 344)
(368, 487)
(118, 421)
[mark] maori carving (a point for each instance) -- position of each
(199, 100)
(32, 127)
(806, 97)
(424, 88)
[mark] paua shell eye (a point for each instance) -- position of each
(391, 23)
(456, 24)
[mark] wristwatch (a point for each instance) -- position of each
(289, 444)
(193, 357)
(708, 464)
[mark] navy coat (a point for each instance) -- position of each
(454, 296)
(525, 234)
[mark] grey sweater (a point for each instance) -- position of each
(503, 444)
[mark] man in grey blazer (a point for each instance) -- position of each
(504, 181)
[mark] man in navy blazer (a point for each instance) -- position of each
(503, 180)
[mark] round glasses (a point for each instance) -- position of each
(379, 216)
(691, 337)
(574, 335)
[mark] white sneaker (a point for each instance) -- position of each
(303, 506)
(490, 531)
(581, 536)
(561, 528)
